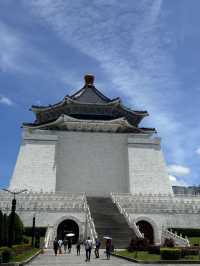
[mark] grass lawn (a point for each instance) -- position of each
(144, 255)
(194, 240)
(27, 254)
(139, 255)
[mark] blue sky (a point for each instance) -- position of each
(146, 52)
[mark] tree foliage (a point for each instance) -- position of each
(18, 229)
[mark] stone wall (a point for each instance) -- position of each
(35, 167)
(147, 168)
(95, 163)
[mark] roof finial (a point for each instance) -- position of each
(89, 79)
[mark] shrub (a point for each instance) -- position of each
(6, 254)
(19, 249)
(170, 253)
(189, 252)
(28, 231)
(5, 229)
(153, 249)
(17, 230)
(26, 239)
(189, 232)
(169, 243)
(138, 244)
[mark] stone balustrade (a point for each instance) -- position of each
(44, 201)
(178, 239)
(157, 203)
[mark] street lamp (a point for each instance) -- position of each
(33, 232)
(12, 215)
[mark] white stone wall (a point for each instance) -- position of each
(45, 218)
(96, 163)
(35, 167)
(166, 220)
(147, 169)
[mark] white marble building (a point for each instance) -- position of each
(93, 145)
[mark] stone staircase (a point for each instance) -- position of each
(109, 222)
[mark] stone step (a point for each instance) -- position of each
(109, 221)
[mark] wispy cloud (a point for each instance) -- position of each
(128, 42)
(198, 151)
(6, 101)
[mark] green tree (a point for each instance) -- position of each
(18, 229)
(1, 228)
(5, 229)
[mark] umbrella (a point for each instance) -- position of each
(107, 237)
(70, 234)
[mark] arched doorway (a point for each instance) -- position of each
(147, 229)
(68, 226)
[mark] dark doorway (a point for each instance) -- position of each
(147, 229)
(66, 227)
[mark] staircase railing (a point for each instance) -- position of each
(128, 218)
(178, 239)
(48, 237)
(90, 223)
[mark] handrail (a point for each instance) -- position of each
(90, 221)
(179, 240)
(128, 218)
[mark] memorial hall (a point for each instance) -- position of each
(90, 169)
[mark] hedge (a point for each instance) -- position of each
(28, 231)
(189, 251)
(6, 254)
(19, 249)
(170, 253)
(189, 232)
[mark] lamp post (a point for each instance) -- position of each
(33, 232)
(12, 215)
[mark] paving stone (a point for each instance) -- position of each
(48, 259)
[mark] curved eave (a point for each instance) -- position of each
(67, 100)
(70, 123)
(148, 130)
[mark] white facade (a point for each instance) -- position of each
(91, 162)
(147, 168)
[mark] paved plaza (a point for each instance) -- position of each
(48, 259)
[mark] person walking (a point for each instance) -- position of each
(88, 248)
(55, 246)
(97, 247)
(78, 247)
(69, 244)
(60, 242)
(108, 248)
(65, 245)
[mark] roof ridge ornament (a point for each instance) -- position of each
(89, 79)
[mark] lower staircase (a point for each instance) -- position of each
(109, 221)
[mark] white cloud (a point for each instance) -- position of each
(178, 170)
(177, 182)
(6, 100)
(128, 43)
(198, 151)
(126, 40)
